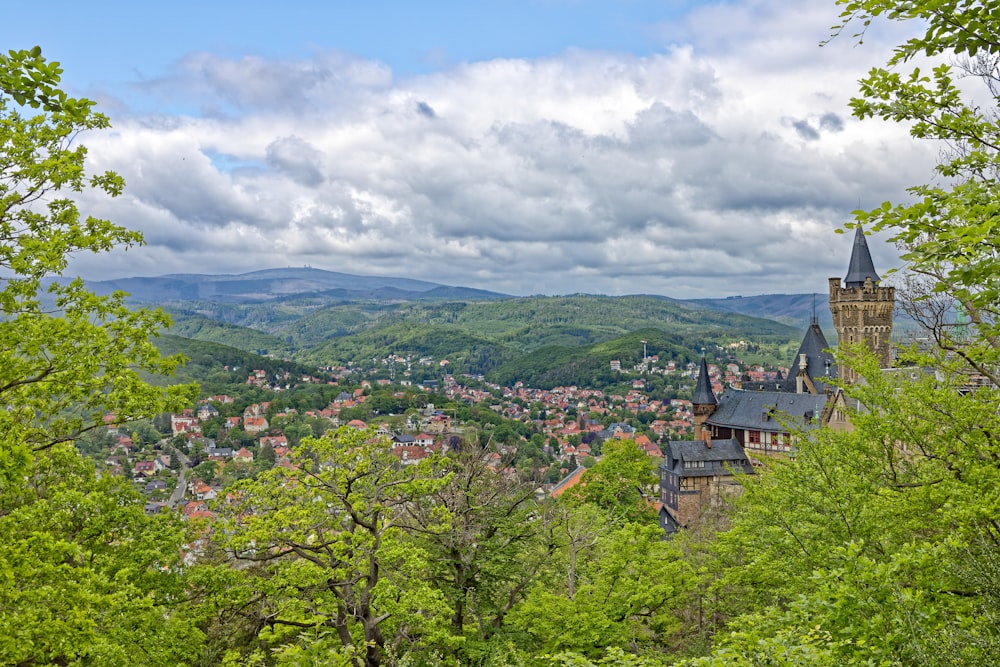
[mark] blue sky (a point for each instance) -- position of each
(113, 44)
(560, 146)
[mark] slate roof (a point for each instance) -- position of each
(722, 453)
(703, 390)
(820, 365)
(819, 360)
(772, 411)
(861, 266)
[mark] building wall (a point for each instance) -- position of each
(863, 315)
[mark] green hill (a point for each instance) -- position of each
(542, 341)
(215, 366)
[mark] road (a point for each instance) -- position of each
(178, 494)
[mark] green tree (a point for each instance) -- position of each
(321, 547)
(620, 482)
(948, 229)
(610, 585)
(62, 369)
(486, 538)
(206, 471)
(85, 576)
(874, 546)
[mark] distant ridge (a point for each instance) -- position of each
(793, 309)
(271, 284)
(320, 287)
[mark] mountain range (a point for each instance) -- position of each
(272, 284)
(321, 286)
(324, 317)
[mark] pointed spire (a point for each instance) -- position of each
(861, 266)
(703, 390)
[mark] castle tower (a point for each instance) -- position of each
(703, 403)
(861, 308)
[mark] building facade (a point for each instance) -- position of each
(733, 431)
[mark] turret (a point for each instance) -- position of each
(862, 308)
(703, 403)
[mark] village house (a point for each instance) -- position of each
(207, 411)
(184, 424)
(255, 424)
(244, 455)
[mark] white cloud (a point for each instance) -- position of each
(720, 165)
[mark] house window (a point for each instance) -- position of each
(753, 437)
(688, 465)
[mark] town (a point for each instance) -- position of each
(222, 439)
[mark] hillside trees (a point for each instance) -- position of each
(620, 482)
(487, 539)
(79, 555)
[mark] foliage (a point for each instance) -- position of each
(216, 365)
(85, 576)
(609, 586)
(486, 541)
(198, 327)
(949, 231)
(851, 553)
(621, 482)
(321, 547)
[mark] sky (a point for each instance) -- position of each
(683, 148)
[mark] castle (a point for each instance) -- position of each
(734, 430)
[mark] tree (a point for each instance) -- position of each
(87, 576)
(486, 539)
(321, 547)
(69, 356)
(893, 523)
(949, 231)
(266, 457)
(84, 575)
(610, 584)
(619, 482)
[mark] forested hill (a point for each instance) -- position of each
(543, 341)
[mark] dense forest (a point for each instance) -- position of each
(874, 546)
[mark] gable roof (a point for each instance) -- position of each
(772, 411)
(570, 480)
(722, 452)
(861, 266)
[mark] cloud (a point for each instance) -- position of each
(805, 130)
(831, 122)
(425, 109)
(719, 165)
(297, 159)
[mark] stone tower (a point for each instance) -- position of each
(861, 308)
(703, 403)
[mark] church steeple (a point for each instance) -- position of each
(861, 267)
(862, 309)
